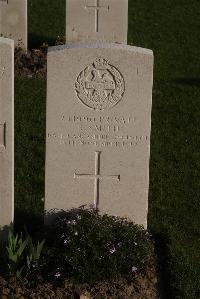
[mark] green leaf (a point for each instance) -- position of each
(22, 247)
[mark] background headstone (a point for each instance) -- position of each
(102, 20)
(13, 21)
(6, 132)
(98, 128)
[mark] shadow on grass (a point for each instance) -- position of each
(162, 254)
(4, 233)
(36, 41)
(188, 81)
(28, 221)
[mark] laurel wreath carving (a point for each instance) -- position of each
(105, 101)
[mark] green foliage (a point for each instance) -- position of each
(34, 253)
(15, 253)
(23, 257)
(89, 247)
(81, 245)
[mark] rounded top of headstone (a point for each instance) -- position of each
(7, 41)
(100, 45)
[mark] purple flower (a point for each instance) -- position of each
(66, 241)
(73, 222)
(92, 206)
(112, 250)
(57, 274)
(119, 244)
(134, 269)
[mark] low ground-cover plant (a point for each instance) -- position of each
(80, 245)
(87, 246)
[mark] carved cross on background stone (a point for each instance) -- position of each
(97, 8)
(2, 137)
(97, 177)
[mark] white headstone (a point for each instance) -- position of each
(13, 21)
(6, 132)
(102, 20)
(98, 128)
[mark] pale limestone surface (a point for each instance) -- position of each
(102, 20)
(6, 132)
(13, 21)
(98, 128)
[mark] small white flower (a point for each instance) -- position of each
(73, 222)
(76, 233)
(57, 274)
(92, 206)
(112, 250)
(135, 243)
(134, 269)
(66, 241)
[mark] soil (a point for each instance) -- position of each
(141, 286)
(31, 63)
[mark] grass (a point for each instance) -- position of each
(170, 28)
(46, 21)
(30, 104)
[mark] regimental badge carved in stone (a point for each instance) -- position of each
(100, 85)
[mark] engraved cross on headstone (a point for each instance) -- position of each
(97, 8)
(97, 177)
(99, 84)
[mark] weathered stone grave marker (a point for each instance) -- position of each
(98, 128)
(6, 132)
(13, 21)
(102, 20)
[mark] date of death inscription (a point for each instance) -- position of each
(76, 131)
